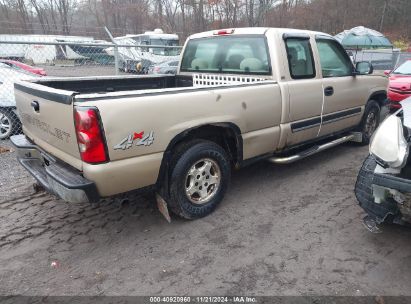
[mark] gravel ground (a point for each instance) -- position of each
(281, 230)
(14, 180)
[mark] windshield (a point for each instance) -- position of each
(404, 69)
(165, 51)
(223, 54)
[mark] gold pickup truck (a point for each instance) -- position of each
(240, 95)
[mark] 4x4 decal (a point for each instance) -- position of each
(138, 139)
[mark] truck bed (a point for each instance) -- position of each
(104, 84)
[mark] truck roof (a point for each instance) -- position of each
(257, 31)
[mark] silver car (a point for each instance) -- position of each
(167, 67)
(9, 121)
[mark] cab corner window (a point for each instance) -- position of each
(333, 58)
(300, 58)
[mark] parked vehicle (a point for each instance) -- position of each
(9, 121)
(130, 65)
(137, 58)
(384, 183)
(168, 67)
(240, 95)
(399, 86)
(25, 67)
(39, 53)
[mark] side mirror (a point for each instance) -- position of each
(387, 72)
(363, 68)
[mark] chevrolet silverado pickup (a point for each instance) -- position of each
(240, 95)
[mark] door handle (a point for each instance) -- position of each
(35, 105)
(328, 91)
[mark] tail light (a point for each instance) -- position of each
(90, 137)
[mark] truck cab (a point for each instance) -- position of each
(325, 93)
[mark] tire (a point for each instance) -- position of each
(370, 121)
(9, 123)
(199, 177)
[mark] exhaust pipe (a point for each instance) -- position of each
(311, 151)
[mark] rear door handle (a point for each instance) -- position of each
(328, 91)
(35, 105)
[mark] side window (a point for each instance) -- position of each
(334, 60)
(300, 58)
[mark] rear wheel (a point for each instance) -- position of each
(200, 175)
(370, 121)
(9, 123)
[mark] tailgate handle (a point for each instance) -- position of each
(35, 105)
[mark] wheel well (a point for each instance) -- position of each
(227, 135)
(380, 97)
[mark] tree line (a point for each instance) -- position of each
(184, 17)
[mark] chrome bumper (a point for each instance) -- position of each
(55, 176)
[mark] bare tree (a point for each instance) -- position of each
(188, 16)
(42, 9)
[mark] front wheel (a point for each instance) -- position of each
(370, 121)
(200, 174)
(9, 123)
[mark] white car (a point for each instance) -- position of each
(9, 121)
(383, 184)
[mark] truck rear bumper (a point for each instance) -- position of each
(55, 176)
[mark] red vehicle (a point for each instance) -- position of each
(26, 67)
(400, 84)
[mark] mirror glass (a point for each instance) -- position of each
(364, 68)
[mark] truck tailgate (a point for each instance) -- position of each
(47, 117)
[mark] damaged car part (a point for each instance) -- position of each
(383, 187)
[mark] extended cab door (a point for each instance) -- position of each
(305, 89)
(344, 93)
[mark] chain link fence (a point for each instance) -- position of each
(21, 60)
(381, 60)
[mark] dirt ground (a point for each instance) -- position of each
(281, 230)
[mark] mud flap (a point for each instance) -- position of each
(162, 207)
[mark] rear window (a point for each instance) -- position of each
(223, 54)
